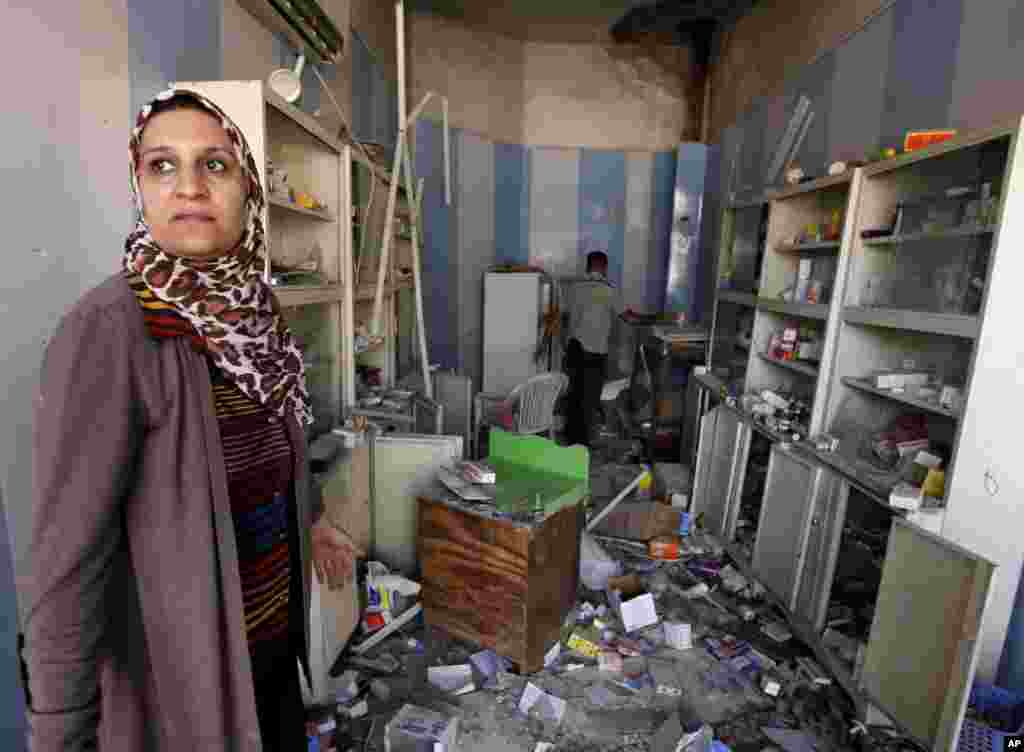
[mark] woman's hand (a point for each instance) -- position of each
(334, 554)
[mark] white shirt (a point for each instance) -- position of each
(593, 306)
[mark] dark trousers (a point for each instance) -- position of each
(279, 707)
(586, 371)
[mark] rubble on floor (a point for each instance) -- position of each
(699, 640)
(669, 647)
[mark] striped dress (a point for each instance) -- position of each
(259, 463)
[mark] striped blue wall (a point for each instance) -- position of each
(543, 206)
(512, 203)
(602, 208)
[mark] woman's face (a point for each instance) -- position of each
(193, 189)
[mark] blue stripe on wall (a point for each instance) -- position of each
(511, 204)
(922, 62)
(440, 299)
(602, 208)
(475, 221)
(171, 42)
(662, 190)
(691, 166)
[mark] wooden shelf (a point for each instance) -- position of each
(950, 324)
(300, 118)
(802, 310)
(866, 386)
(911, 237)
(825, 247)
(792, 365)
(299, 295)
(739, 298)
(809, 186)
(323, 216)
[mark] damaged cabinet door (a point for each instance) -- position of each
(790, 496)
(724, 441)
(827, 517)
(923, 650)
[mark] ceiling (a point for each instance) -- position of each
(689, 23)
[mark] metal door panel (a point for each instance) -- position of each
(732, 512)
(786, 511)
(822, 550)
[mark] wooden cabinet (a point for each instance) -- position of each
(499, 584)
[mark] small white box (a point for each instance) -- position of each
(679, 635)
(900, 379)
(638, 612)
(415, 729)
(906, 496)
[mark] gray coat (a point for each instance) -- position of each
(134, 628)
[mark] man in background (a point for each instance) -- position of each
(592, 307)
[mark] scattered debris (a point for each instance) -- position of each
(413, 726)
(456, 679)
(546, 706)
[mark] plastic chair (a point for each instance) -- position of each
(533, 411)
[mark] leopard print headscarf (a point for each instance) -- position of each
(225, 298)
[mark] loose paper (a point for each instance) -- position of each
(546, 706)
(679, 635)
(488, 663)
(552, 655)
(457, 678)
(458, 486)
(600, 696)
(638, 612)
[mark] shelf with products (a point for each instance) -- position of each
(938, 217)
(930, 403)
(805, 231)
(279, 202)
(805, 368)
(784, 349)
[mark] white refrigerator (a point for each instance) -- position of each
(512, 317)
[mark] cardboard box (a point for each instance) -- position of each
(641, 520)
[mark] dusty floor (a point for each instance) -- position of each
(601, 713)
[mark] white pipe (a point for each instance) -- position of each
(417, 284)
(615, 502)
(378, 637)
(447, 157)
(400, 43)
(419, 108)
(385, 249)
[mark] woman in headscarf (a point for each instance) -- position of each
(173, 516)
